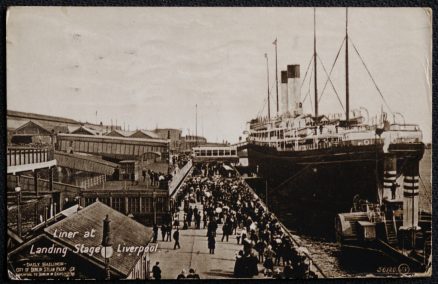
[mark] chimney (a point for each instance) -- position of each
(284, 98)
(294, 88)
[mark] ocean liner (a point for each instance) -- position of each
(316, 164)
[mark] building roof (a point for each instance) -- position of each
(124, 232)
(121, 133)
(168, 129)
(28, 115)
(13, 124)
(35, 123)
(72, 128)
(61, 129)
(85, 129)
(147, 133)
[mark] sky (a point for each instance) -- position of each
(149, 67)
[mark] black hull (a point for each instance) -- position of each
(307, 189)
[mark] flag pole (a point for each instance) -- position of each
(267, 73)
(276, 72)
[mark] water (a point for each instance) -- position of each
(336, 263)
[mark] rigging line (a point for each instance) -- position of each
(305, 97)
(265, 102)
(262, 108)
(291, 177)
(369, 73)
(310, 81)
(310, 97)
(331, 70)
(259, 113)
(305, 75)
(328, 78)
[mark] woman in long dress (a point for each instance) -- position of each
(211, 243)
(269, 264)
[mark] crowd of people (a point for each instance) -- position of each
(227, 201)
(180, 160)
(156, 179)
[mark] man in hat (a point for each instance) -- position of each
(156, 271)
(176, 239)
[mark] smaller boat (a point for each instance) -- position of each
(391, 228)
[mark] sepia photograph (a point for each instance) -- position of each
(218, 143)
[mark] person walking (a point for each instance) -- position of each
(163, 231)
(155, 229)
(198, 220)
(212, 227)
(204, 217)
(176, 239)
(225, 231)
(260, 248)
(239, 265)
(169, 233)
(189, 217)
(269, 264)
(211, 243)
(156, 271)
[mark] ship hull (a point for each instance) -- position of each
(307, 189)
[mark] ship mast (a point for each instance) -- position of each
(276, 72)
(267, 73)
(196, 123)
(347, 91)
(314, 63)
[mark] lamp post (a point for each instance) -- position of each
(107, 249)
(154, 203)
(148, 264)
(18, 192)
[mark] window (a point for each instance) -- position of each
(105, 200)
(133, 204)
(160, 204)
(89, 200)
(146, 204)
(119, 204)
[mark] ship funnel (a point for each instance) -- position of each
(284, 97)
(294, 89)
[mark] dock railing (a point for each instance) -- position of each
(17, 156)
(90, 182)
(312, 266)
(178, 177)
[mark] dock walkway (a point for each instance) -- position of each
(194, 253)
